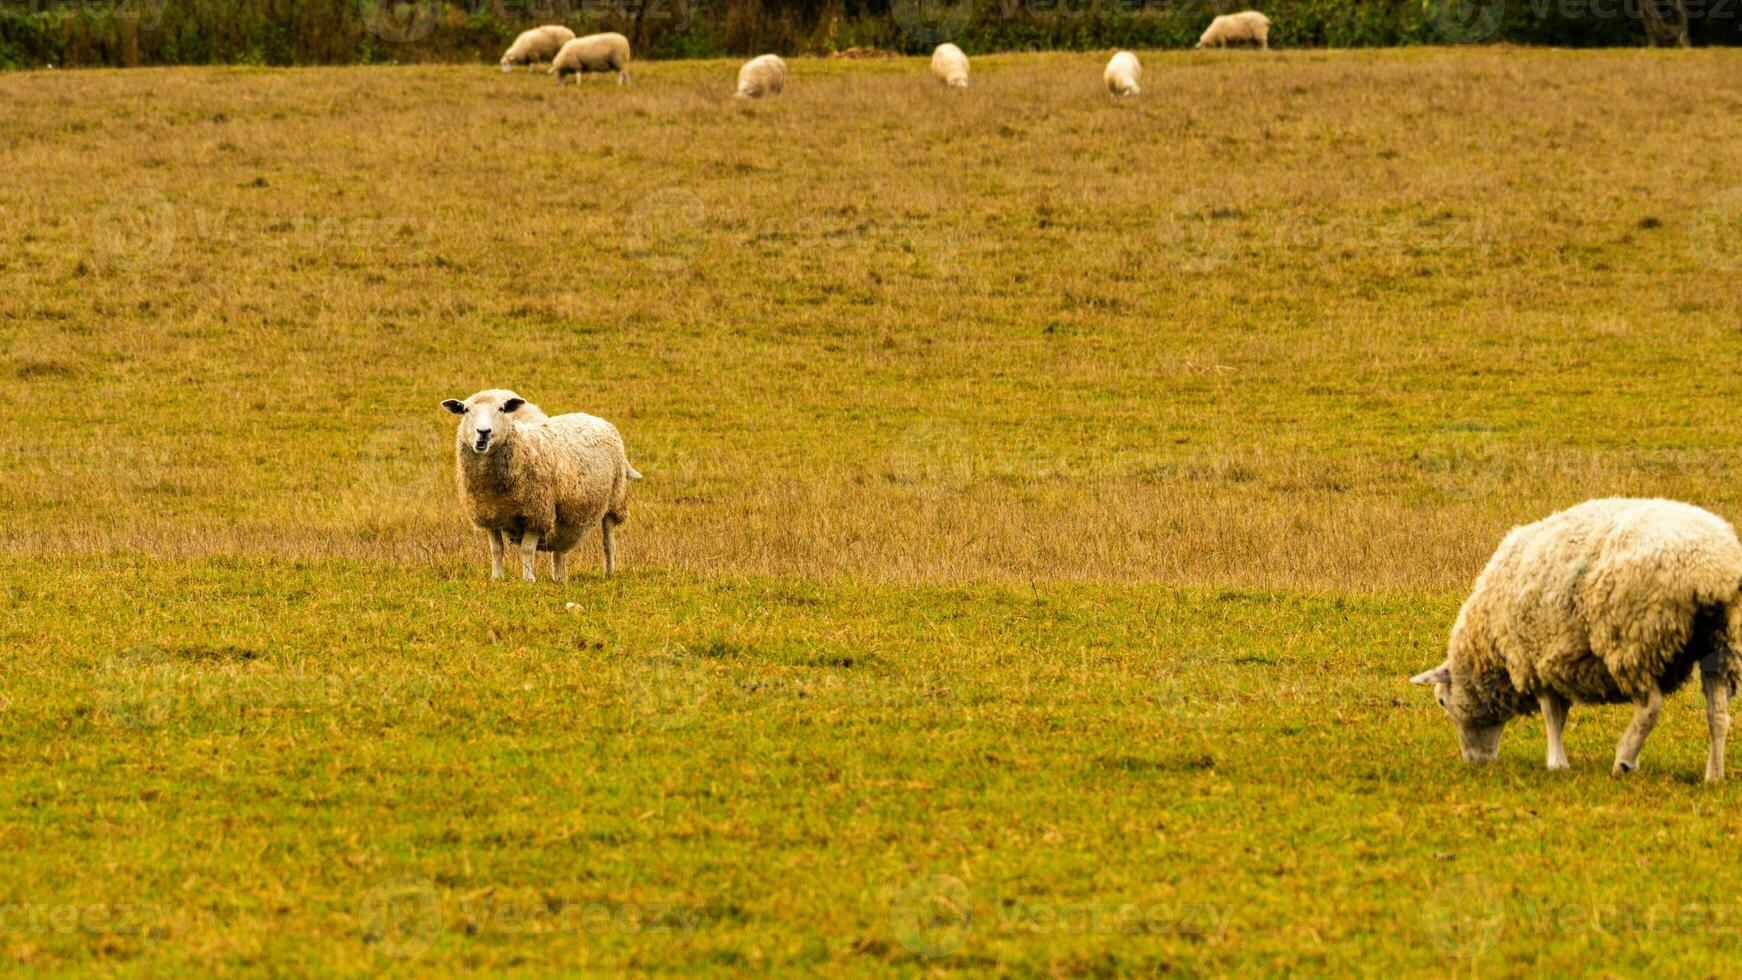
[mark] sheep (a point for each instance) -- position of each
(765, 75)
(1246, 27)
(595, 52)
(539, 482)
(1606, 602)
(538, 44)
(1122, 74)
(950, 66)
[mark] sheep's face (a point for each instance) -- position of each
(1478, 730)
(507, 66)
(484, 417)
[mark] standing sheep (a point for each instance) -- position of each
(765, 75)
(1606, 602)
(1122, 74)
(538, 44)
(1246, 27)
(595, 52)
(541, 483)
(950, 66)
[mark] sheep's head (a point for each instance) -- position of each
(507, 66)
(485, 416)
(1479, 724)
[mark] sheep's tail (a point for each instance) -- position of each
(633, 475)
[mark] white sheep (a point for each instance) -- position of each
(1606, 602)
(541, 483)
(950, 66)
(538, 44)
(595, 52)
(1123, 73)
(764, 75)
(1246, 27)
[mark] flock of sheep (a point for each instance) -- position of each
(766, 74)
(1610, 601)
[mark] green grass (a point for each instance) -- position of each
(1047, 499)
(1121, 779)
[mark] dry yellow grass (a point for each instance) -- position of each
(1312, 319)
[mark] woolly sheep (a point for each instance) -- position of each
(541, 483)
(765, 75)
(1122, 74)
(950, 66)
(1609, 601)
(1246, 27)
(595, 52)
(538, 44)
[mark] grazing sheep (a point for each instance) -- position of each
(1246, 27)
(1606, 602)
(1122, 74)
(765, 75)
(540, 482)
(538, 44)
(595, 52)
(950, 66)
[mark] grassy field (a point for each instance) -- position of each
(1047, 498)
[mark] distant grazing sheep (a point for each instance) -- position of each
(538, 44)
(1246, 27)
(1609, 601)
(765, 75)
(1122, 74)
(541, 483)
(595, 52)
(950, 66)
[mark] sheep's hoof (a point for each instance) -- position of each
(1623, 768)
(1560, 766)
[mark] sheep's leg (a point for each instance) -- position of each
(559, 566)
(528, 555)
(1633, 740)
(623, 77)
(495, 553)
(1554, 719)
(605, 528)
(1716, 685)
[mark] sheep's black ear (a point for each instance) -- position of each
(454, 405)
(512, 404)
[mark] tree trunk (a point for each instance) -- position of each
(1666, 23)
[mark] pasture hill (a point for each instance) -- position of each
(1047, 500)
